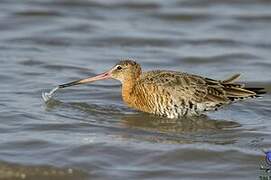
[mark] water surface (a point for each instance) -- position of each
(87, 132)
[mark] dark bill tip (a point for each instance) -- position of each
(69, 84)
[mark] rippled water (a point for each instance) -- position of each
(87, 132)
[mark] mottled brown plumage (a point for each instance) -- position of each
(170, 93)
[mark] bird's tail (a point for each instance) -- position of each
(235, 91)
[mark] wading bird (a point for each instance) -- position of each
(169, 93)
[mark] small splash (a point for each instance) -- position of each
(47, 96)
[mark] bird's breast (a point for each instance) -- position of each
(148, 98)
(158, 100)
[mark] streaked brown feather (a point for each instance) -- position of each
(176, 94)
(188, 88)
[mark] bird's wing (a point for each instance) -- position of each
(196, 89)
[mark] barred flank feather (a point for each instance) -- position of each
(176, 94)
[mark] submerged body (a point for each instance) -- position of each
(169, 93)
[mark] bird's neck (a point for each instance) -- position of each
(127, 90)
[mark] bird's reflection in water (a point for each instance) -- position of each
(183, 130)
(151, 128)
(182, 125)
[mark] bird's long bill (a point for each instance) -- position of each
(105, 75)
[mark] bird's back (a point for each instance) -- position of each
(174, 94)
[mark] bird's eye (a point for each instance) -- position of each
(119, 67)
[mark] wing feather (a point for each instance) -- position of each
(196, 89)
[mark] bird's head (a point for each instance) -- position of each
(126, 70)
